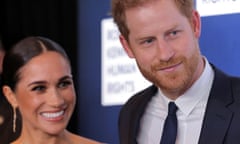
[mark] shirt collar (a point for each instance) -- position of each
(199, 91)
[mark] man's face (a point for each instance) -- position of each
(165, 45)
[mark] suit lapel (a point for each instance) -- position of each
(215, 124)
(218, 115)
(140, 104)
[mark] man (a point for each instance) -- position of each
(162, 36)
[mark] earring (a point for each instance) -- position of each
(14, 119)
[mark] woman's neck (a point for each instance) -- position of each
(43, 138)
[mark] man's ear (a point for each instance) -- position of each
(10, 96)
(126, 46)
(196, 23)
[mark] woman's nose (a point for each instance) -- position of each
(55, 98)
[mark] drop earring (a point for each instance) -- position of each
(14, 119)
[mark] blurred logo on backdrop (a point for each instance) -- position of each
(120, 76)
(217, 7)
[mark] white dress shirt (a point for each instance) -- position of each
(191, 109)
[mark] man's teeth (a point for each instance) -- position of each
(52, 115)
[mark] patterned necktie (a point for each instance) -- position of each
(170, 126)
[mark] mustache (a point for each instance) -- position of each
(161, 65)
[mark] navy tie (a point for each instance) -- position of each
(170, 126)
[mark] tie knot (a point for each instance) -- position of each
(172, 108)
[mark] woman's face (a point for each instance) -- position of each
(45, 93)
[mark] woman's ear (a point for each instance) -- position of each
(10, 96)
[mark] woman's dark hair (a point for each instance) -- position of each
(22, 53)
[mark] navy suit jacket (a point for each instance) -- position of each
(221, 123)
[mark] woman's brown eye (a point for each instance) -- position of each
(38, 88)
(64, 84)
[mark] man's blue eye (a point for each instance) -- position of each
(174, 32)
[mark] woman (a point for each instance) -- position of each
(37, 80)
